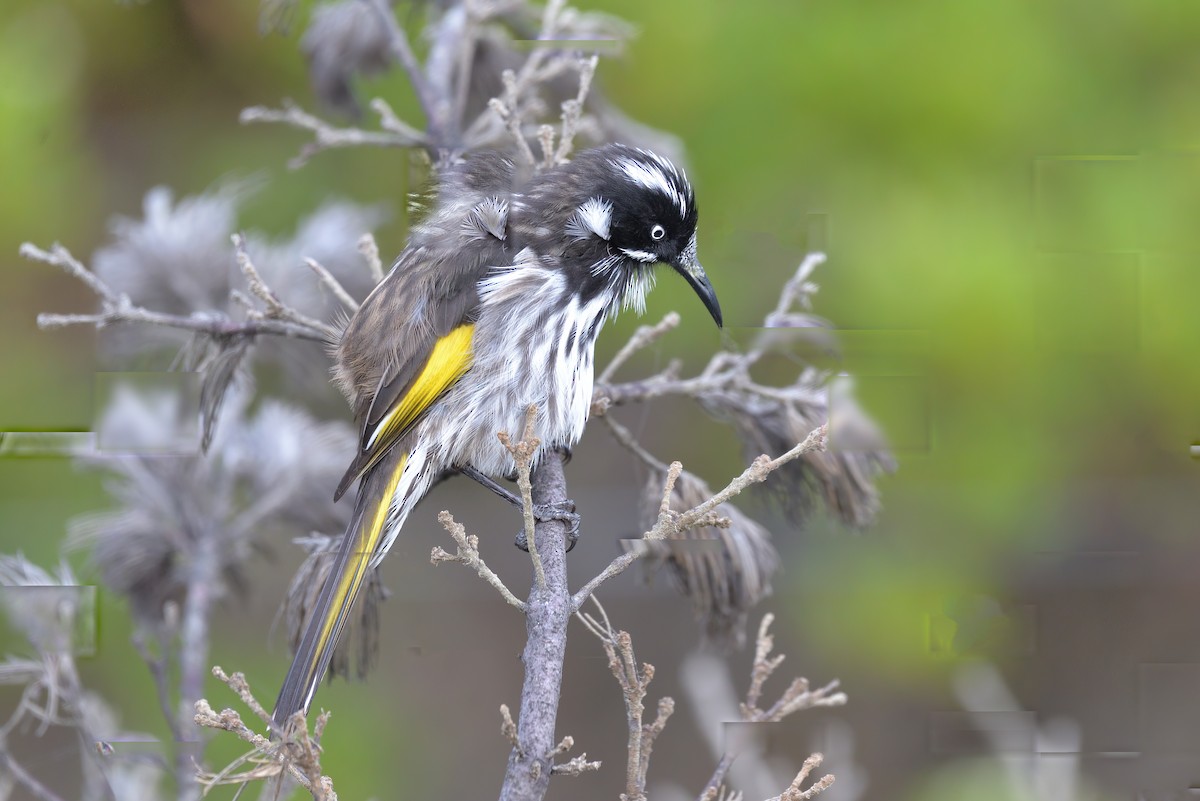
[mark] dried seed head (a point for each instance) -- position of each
(724, 569)
(360, 644)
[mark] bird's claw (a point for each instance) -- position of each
(544, 513)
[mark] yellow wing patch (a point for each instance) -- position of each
(450, 358)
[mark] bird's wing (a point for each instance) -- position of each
(411, 341)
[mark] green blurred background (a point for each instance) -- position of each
(1010, 186)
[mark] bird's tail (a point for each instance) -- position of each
(384, 498)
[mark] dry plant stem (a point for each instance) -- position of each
(202, 586)
(794, 791)
(468, 554)
(572, 109)
(327, 136)
(626, 438)
(509, 108)
(796, 697)
(618, 647)
(118, 308)
(713, 788)
(237, 682)
(671, 523)
(334, 285)
(158, 670)
(402, 50)
(299, 757)
(370, 252)
(390, 122)
(523, 453)
(24, 778)
(231, 721)
(645, 335)
(276, 308)
(547, 612)
(798, 290)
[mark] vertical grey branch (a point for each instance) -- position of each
(547, 612)
(203, 578)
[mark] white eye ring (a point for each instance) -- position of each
(657, 232)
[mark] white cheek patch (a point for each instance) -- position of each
(654, 177)
(640, 255)
(593, 218)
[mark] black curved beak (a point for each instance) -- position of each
(694, 274)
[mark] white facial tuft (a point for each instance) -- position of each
(593, 218)
(657, 176)
(643, 256)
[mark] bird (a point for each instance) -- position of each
(493, 306)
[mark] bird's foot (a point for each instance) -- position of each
(544, 513)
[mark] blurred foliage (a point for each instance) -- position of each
(1016, 180)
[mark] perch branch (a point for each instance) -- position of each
(547, 612)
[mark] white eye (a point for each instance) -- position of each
(657, 232)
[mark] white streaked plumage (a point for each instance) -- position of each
(654, 176)
(494, 307)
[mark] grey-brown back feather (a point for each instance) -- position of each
(431, 290)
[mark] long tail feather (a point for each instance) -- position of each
(363, 541)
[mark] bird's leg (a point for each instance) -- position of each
(543, 513)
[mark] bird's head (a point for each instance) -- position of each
(631, 210)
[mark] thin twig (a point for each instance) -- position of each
(327, 136)
(645, 335)
(670, 524)
(522, 453)
(158, 671)
(237, 682)
(624, 436)
(467, 553)
(370, 252)
(117, 308)
(26, 779)
(334, 285)
(298, 756)
(276, 308)
(572, 109)
(618, 647)
(402, 50)
(795, 793)
(796, 697)
(713, 788)
(389, 121)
